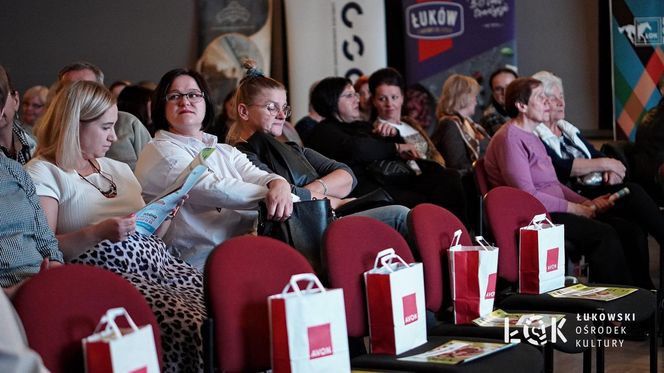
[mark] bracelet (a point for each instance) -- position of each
(324, 186)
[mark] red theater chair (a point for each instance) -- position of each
(350, 246)
(63, 305)
(240, 275)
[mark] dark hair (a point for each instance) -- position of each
(82, 65)
(519, 90)
(4, 87)
(253, 83)
(502, 70)
(134, 100)
(159, 98)
(387, 76)
(325, 96)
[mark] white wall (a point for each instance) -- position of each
(561, 36)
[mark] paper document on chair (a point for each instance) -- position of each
(458, 351)
(152, 215)
(581, 291)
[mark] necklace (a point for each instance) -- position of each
(112, 189)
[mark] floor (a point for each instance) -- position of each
(631, 357)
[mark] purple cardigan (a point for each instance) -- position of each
(518, 159)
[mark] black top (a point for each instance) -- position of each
(300, 166)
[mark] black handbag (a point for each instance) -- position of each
(303, 230)
(391, 172)
(377, 198)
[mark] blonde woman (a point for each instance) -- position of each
(89, 201)
(460, 140)
(33, 106)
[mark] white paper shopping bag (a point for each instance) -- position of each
(541, 256)
(395, 303)
(118, 351)
(473, 278)
(308, 328)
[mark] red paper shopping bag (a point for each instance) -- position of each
(112, 350)
(395, 302)
(541, 256)
(308, 328)
(473, 278)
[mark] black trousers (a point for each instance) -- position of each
(634, 217)
(438, 185)
(601, 246)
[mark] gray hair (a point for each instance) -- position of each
(83, 65)
(549, 81)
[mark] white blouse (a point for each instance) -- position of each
(223, 204)
(79, 203)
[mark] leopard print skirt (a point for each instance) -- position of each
(173, 288)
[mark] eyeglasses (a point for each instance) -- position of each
(274, 109)
(192, 97)
(351, 95)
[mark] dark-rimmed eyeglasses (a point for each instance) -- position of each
(192, 97)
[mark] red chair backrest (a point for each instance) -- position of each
(508, 209)
(63, 305)
(481, 177)
(432, 230)
(240, 275)
(350, 245)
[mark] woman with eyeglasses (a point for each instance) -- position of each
(224, 202)
(379, 161)
(89, 202)
(262, 111)
(33, 106)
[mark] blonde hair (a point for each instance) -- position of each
(253, 83)
(457, 91)
(58, 130)
(38, 91)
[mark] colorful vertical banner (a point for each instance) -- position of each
(470, 37)
(637, 33)
(229, 31)
(331, 38)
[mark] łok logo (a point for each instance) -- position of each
(320, 341)
(552, 259)
(409, 309)
(434, 20)
(490, 287)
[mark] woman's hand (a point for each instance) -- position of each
(384, 130)
(115, 229)
(581, 210)
(408, 151)
(335, 203)
(612, 178)
(278, 200)
(600, 204)
(615, 166)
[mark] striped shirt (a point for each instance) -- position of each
(25, 237)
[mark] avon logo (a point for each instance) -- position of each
(409, 309)
(320, 341)
(490, 287)
(552, 259)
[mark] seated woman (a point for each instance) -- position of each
(420, 105)
(387, 87)
(15, 142)
(89, 201)
(590, 173)
(262, 110)
(32, 107)
(460, 140)
(517, 158)
(341, 137)
(224, 202)
(26, 242)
